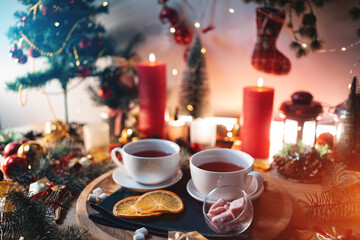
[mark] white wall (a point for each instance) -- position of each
(229, 48)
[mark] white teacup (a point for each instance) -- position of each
(223, 167)
(143, 162)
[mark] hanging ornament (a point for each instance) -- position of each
(11, 148)
(15, 52)
(22, 59)
(33, 52)
(266, 58)
(130, 135)
(85, 43)
(168, 14)
(97, 42)
(104, 92)
(182, 35)
(14, 166)
(84, 71)
(325, 138)
(31, 151)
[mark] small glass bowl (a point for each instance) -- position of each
(240, 220)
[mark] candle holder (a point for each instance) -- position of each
(300, 116)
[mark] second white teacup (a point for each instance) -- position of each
(213, 168)
(148, 161)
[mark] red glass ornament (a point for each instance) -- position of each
(182, 35)
(22, 59)
(83, 71)
(98, 42)
(15, 52)
(168, 14)
(33, 52)
(104, 92)
(85, 43)
(11, 149)
(13, 165)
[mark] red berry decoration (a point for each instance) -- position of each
(104, 92)
(325, 138)
(168, 14)
(196, 147)
(22, 59)
(85, 43)
(14, 166)
(47, 10)
(33, 52)
(84, 71)
(182, 35)
(11, 149)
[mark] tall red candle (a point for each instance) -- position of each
(257, 116)
(152, 97)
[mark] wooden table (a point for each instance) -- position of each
(295, 192)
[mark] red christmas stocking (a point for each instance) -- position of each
(266, 58)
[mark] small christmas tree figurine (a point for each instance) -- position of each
(349, 144)
(195, 88)
(66, 33)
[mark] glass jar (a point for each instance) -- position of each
(300, 116)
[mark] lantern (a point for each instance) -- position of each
(300, 116)
(339, 113)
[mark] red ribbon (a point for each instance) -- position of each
(112, 112)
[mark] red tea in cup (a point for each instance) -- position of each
(220, 167)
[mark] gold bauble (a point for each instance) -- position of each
(55, 131)
(31, 150)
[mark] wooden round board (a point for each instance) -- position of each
(273, 211)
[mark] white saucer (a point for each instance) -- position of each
(122, 178)
(191, 189)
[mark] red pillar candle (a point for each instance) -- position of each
(257, 116)
(152, 97)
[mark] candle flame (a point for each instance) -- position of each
(260, 82)
(152, 57)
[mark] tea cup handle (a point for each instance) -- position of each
(114, 158)
(259, 182)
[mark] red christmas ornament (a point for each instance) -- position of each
(97, 42)
(104, 92)
(15, 52)
(33, 52)
(22, 59)
(182, 35)
(11, 149)
(85, 43)
(84, 71)
(168, 14)
(14, 166)
(47, 10)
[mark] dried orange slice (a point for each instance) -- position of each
(126, 208)
(159, 200)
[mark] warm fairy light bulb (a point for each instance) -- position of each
(304, 45)
(231, 10)
(203, 50)
(343, 49)
(152, 57)
(260, 82)
(105, 4)
(77, 63)
(197, 24)
(174, 72)
(172, 30)
(190, 108)
(56, 24)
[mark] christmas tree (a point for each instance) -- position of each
(66, 33)
(349, 144)
(194, 88)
